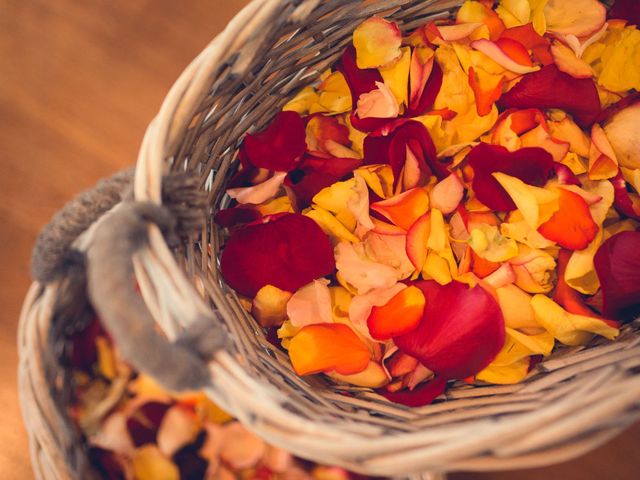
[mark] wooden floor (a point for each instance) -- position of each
(79, 81)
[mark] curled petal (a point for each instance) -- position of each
(472, 12)
(258, 193)
(279, 146)
(498, 55)
(417, 238)
(287, 252)
(361, 305)
(486, 94)
(623, 132)
(516, 307)
(360, 272)
(378, 103)
(569, 328)
(537, 205)
(551, 88)
(404, 209)
(617, 264)
(269, 306)
(603, 163)
(373, 376)
(359, 80)
(324, 132)
(425, 80)
(572, 226)
(531, 165)
(567, 62)
(447, 194)
(532, 40)
(461, 332)
(625, 202)
(326, 347)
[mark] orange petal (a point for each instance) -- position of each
(486, 95)
(328, 346)
(515, 50)
(373, 376)
(377, 42)
(417, 238)
(398, 316)
(572, 226)
(482, 267)
(384, 228)
(472, 12)
(404, 209)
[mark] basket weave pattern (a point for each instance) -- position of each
(574, 401)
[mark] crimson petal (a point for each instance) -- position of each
(359, 80)
(313, 174)
(565, 175)
(551, 88)
(425, 102)
(628, 10)
(144, 423)
(421, 395)
(279, 146)
(622, 200)
(389, 146)
(286, 251)
(232, 217)
(461, 332)
(617, 264)
(532, 165)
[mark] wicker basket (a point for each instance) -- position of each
(576, 400)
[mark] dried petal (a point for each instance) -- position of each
(287, 252)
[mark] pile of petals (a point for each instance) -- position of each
(135, 430)
(451, 203)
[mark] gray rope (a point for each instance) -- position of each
(52, 250)
(111, 287)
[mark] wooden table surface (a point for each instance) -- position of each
(79, 82)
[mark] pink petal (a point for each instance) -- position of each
(359, 80)
(531, 165)
(447, 194)
(286, 251)
(313, 174)
(551, 88)
(461, 332)
(260, 193)
(495, 53)
(425, 81)
(420, 396)
(617, 264)
(279, 146)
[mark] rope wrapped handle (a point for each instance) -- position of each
(110, 280)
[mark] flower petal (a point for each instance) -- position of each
(579, 17)
(326, 347)
(461, 332)
(551, 88)
(536, 204)
(260, 193)
(279, 146)
(404, 209)
(472, 12)
(617, 264)
(310, 305)
(287, 252)
(527, 36)
(572, 226)
(269, 306)
(603, 163)
(377, 43)
(419, 396)
(531, 165)
(495, 53)
(568, 328)
(398, 316)
(628, 10)
(425, 80)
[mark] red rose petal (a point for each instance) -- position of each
(617, 264)
(527, 36)
(143, 424)
(389, 146)
(628, 10)
(321, 131)
(426, 92)
(233, 217)
(313, 174)
(625, 202)
(620, 105)
(531, 165)
(565, 175)
(551, 88)
(286, 251)
(359, 80)
(422, 395)
(279, 146)
(461, 332)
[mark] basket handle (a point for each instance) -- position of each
(179, 365)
